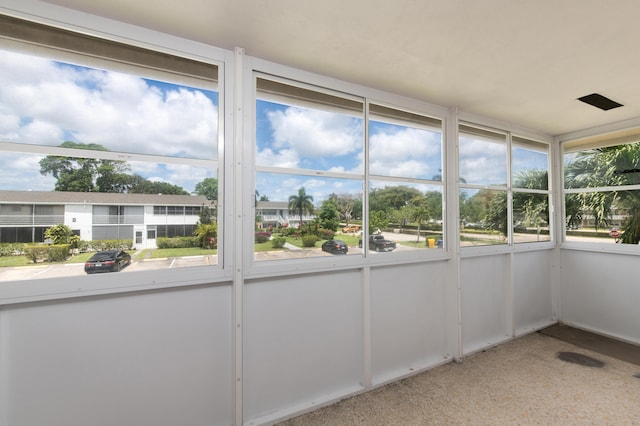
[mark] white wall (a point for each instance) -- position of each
(600, 292)
(154, 358)
(505, 295)
(408, 319)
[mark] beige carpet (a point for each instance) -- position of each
(519, 383)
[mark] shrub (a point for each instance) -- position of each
(309, 240)
(74, 240)
(59, 234)
(36, 252)
(102, 245)
(325, 234)
(262, 237)
(58, 252)
(288, 232)
(11, 249)
(278, 242)
(178, 242)
(84, 246)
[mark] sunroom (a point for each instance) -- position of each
(495, 147)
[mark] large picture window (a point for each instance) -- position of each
(405, 179)
(504, 188)
(342, 175)
(309, 171)
(100, 141)
(602, 190)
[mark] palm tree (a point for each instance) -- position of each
(207, 233)
(301, 204)
(615, 166)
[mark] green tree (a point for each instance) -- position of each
(402, 216)
(345, 204)
(59, 234)
(205, 215)
(391, 197)
(377, 220)
(433, 203)
(615, 166)
(301, 204)
(141, 185)
(496, 211)
(84, 174)
(207, 233)
(420, 212)
(90, 175)
(529, 208)
(329, 216)
(112, 177)
(208, 187)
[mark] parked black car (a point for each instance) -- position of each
(379, 243)
(107, 261)
(335, 247)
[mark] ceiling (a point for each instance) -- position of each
(521, 62)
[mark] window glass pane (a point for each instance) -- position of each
(483, 217)
(483, 157)
(530, 217)
(410, 215)
(403, 144)
(296, 214)
(606, 216)
(302, 129)
(46, 102)
(530, 164)
(600, 167)
(30, 205)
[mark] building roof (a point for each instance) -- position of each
(63, 197)
(272, 205)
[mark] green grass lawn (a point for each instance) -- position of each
(8, 261)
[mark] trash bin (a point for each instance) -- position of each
(432, 242)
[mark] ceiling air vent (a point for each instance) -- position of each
(599, 101)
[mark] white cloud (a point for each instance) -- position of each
(408, 152)
(314, 133)
(483, 162)
(42, 102)
(282, 158)
(22, 173)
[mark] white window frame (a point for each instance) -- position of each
(73, 286)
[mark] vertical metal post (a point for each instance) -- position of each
(238, 240)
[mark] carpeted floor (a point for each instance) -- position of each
(523, 382)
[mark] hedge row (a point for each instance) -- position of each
(48, 252)
(178, 242)
(11, 249)
(102, 245)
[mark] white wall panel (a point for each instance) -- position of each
(408, 322)
(484, 282)
(161, 358)
(533, 308)
(303, 342)
(601, 292)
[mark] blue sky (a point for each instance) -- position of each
(293, 137)
(44, 102)
(484, 162)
